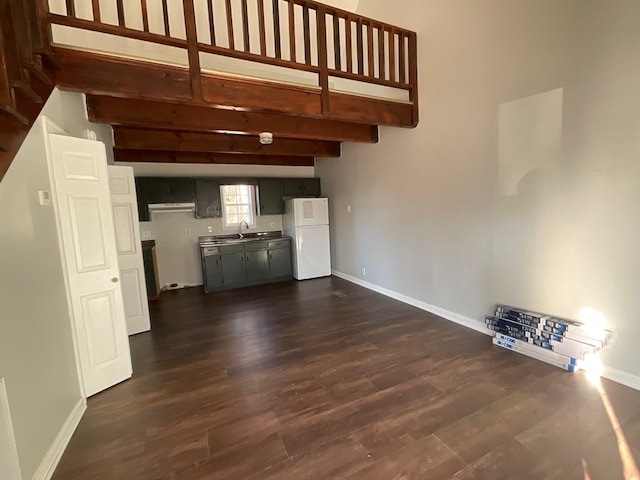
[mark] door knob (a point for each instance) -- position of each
(114, 279)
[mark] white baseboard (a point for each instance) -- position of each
(441, 312)
(610, 373)
(53, 456)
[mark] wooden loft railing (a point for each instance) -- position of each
(300, 35)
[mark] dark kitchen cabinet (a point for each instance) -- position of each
(208, 201)
(162, 190)
(246, 263)
(143, 203)
(213, 271)
(257, 266)
(280, 261)
(270, 192)
(234, 271)
(169, 190)
(302, 187)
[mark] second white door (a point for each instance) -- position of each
(125, 217)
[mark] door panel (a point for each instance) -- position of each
(129, 248)
(233, 268)
(257, 265)
(83, 211)
(280, 262)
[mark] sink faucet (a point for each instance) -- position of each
(240, 227)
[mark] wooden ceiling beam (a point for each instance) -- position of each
(156, 156)
(169, 140)
(170, 116)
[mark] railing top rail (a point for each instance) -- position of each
(351, 16)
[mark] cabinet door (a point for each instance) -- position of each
(234, 271)
(169, 190)
(270, 193)
(292, 187)
(180, 190)
(143, 202)
(280, 262)
(212, 272)
(257, 265)
(311, 187)
(208, 198)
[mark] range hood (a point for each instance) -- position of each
(172, 207)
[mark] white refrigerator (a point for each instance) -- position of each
(306, 221)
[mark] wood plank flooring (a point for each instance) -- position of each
(322, 380)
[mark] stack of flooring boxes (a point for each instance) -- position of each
(560, 342)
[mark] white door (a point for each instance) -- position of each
(125, 217)
(312, 258)
(80, 186)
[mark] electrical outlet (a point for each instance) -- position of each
(364, 271)
(349, 208)
(273, 224)
(187, 231)
(210, 229)
(146, 234)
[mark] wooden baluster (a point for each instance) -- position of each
(381, 54)
(360, 47)
(212, 27)
(276, 28)
(71, 8)
(307, 34)
(192, 49)
(292, 32)
(402, 65)
(245, 26)
(120, 7)
(392, 55)
(95, 6)
(413, 74)
(323, 58)
(337, 53)
(145, 15)
(232, 43)
(372, 70)
(262, 28)
(347, 29)
(165, 16)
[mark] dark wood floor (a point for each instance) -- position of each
(325, 380)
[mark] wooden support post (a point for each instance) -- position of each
(192, 49)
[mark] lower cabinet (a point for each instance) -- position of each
(241, 265)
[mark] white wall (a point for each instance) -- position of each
(521, 183)
(36, 348)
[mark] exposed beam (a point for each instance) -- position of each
(168, 140)
(84, 72)
(162, 115)
(154, 156)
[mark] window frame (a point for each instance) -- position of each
(251, 204)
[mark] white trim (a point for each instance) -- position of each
(49, 127)
(441, 312)
(8, 438)
(610, 373)
(53, 455)
(621, 377)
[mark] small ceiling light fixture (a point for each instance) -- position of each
(266, 138)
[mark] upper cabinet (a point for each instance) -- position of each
(205, 192)
(270, 192)
(169, 190)
(151, 190)
(302, 187)
(208, 201)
